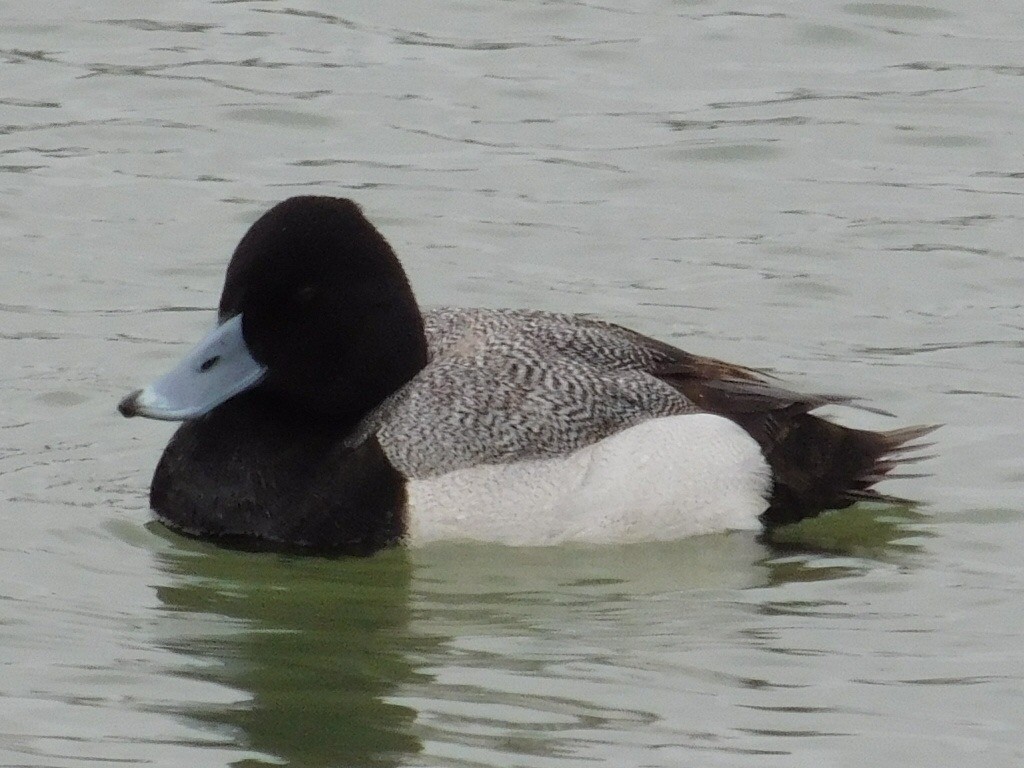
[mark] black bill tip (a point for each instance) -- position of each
(129, 406)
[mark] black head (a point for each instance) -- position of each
(326, 306)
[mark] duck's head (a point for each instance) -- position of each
(316, 313)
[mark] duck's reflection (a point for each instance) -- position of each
(323, 657)
(844, 542)
(314, 647)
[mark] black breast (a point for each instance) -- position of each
(252, 475)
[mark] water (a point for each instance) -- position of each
(831, 191)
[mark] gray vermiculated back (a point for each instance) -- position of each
(510, 385)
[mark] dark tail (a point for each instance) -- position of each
(819, 465)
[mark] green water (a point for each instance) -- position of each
(462, 649)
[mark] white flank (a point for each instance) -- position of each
(664, 479)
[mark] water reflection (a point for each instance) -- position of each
(489, 651)
(559, 652)
(314, 647)
(871, 531)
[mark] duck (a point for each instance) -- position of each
(327, 413)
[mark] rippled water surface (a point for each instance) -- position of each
(832, 191)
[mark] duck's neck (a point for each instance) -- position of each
(370, 365)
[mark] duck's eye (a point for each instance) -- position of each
(305, 295)
(209, 363)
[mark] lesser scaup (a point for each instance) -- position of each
(327, 413)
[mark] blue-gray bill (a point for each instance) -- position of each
(216, 369)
